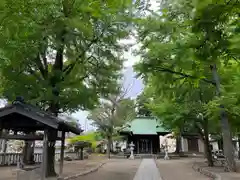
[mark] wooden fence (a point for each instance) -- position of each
(14, 158)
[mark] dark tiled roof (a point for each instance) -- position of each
(33, 113)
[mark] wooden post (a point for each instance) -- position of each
(62, 154)
(44, 161)
(138, 146)
(151, 146)
(81, 153)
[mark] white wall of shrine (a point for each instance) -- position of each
(184, 142)
(200, 146)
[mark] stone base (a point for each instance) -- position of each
(131, 157)
(166, 158)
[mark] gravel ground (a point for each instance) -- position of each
(70, 168)
(178, 170)
(122, 169)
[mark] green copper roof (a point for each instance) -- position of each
(145, 125)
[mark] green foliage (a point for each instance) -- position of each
(187, 46)
(61, 55)
(179, 42)
(91, 137)
(229, 95)
(112, 114)
(141, 105)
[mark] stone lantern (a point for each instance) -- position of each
(131, 149)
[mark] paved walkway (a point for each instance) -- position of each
(124, 169)
(147, 171)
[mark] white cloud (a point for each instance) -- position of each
(129, 55)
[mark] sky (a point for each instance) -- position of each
(133, 84)
(136, 84)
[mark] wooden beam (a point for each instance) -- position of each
(45, 155)
(62, 154)
(23, 137)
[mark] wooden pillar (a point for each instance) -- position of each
(62, 153)
(151, 146)
(44, 162)
(81, 153)
(137, 146)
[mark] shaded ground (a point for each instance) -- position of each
(116, 169)
(220, 170)
(70, 168)
(178, 169)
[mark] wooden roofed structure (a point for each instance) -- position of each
(145, 134)
(24, 120)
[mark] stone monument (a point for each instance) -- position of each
(131, 149)
(166, 157)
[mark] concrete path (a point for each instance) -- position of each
(147, 171)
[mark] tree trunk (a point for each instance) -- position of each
(81, 153)
(202, 128)
(4, 149)
(220, 143)
(226, 132)
(52, 134)
(109, 143)
(207, 148)
(178, 144)
(238, 146)
(1, 141)
(208, 152)
(3, 145)
(112, 149)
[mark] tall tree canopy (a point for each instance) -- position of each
(61, 55)
(192, 42)
(55, 51)
(141, 105)
(112, 115)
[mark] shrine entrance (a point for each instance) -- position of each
(144, 132)
(145, 146)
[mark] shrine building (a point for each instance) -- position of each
(145, 133)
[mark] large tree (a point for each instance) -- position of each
(112, 115)
(186, 41)
(182, 109)
(61, 55)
